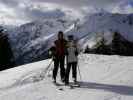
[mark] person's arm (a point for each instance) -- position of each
(77, 49)
(66, 47)
(55, 42)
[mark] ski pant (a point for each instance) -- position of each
(74, 71)
(59, 62)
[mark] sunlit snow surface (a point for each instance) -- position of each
(103, 78)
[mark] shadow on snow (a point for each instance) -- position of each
(120, 89)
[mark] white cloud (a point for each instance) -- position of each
(123, 7)
(22, 11)
(7, 16)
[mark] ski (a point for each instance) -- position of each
(59, 86)
(74, 85)
(62, 87)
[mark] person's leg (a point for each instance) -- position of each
(67, 73)
(62, 68)
(74, 71)
(55, 70)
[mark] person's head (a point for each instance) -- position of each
(1, 30)
(70, 37)
(60, 35)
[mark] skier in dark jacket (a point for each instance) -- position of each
(72, 59)
(59, 56)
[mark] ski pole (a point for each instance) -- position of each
(79, 73)
(46, 69)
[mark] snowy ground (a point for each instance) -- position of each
(103, 78)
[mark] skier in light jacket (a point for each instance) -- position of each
(72, 59)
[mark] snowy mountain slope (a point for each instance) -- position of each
(31, 41)
(103, 78)
(103, 25)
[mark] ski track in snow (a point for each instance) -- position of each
(103, 78)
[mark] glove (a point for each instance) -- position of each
(76, 53)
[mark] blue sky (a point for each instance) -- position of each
(131, 2)
(21, 11)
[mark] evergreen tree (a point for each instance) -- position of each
(116, 43)
(87, 49)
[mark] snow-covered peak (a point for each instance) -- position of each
(33, 39)
(104, 25)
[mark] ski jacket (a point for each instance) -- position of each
(60, 48)
(72, 52)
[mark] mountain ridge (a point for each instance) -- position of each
(33, 39)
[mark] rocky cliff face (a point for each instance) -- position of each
(6, 54)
